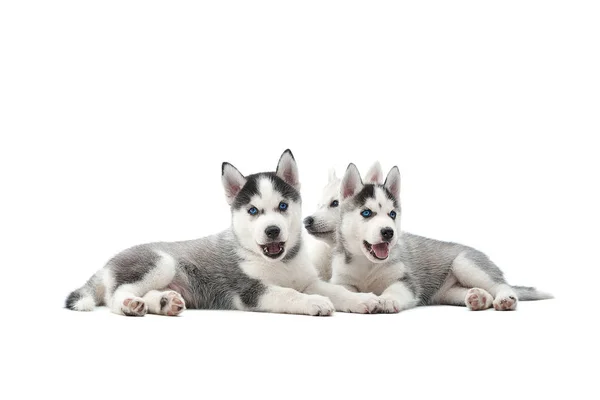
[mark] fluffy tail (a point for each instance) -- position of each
(526, 293)
(86, 297)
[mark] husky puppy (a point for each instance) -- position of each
(373, 255)
(322, 224)
(258, 264)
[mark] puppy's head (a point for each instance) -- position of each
(266, 208)
(370, 214)
(323, 223)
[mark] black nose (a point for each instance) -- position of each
(387, 234)
(272, 231)
(308, 221)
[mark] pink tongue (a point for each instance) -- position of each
(381, 250)
(273, 248)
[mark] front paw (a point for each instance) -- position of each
(390, 306)
(393, 306)
(318, 306)
(362, 303)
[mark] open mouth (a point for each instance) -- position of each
(273, 249)
(380, 251)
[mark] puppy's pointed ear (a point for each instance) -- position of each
(332, 177)
(392, 182)
(374, 174)
(351, 182)
(288, 170)
(233, 181)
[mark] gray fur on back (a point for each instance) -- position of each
(208, 272)
(429, 263)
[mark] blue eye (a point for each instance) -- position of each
(366, 213)
(334, 204)
(283, 206)
(253, 211)
(393, 214)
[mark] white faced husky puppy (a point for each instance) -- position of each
(258, 264)
(323, 223)
(373, 255)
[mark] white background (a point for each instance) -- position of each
(115, 118)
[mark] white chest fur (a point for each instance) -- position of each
(365, 275)
(296, 274)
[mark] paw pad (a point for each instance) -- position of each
(477, 299)
(508, 303)
(172, 304)
(134, 307)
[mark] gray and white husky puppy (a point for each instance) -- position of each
(258, 264)
(372, 254)
(322, 224)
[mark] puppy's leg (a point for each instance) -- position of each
(150, 270)
(164, 302)
(474, 269)
(454, 296)
(398, 297)
(475, 299)
(279, 299)
(345, 300)
(351, 288)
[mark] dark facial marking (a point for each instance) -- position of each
(250, 189)
(367, 192)
(389, 195)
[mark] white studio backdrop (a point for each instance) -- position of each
(115, 118)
